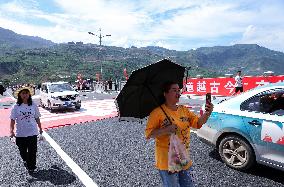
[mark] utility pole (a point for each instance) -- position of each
(100, 36)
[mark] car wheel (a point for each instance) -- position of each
(236, 153)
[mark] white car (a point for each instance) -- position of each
(249, 128)
(56, 95)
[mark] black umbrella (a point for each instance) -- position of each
(143, 90)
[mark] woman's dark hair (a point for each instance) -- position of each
(20, 100)
(167, 86)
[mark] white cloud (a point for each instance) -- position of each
(272, 39)
(165, 23)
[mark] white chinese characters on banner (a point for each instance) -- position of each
(201, 86)
(214, 87)
(230, 86)
(189, 87)
(261, 83)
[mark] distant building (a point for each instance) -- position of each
(269, 73)
(71, 43)
(229, 75)
(79, 43)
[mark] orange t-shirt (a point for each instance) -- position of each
(183, 118)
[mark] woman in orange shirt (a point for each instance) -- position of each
(160, 128)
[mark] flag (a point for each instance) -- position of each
(125, 73)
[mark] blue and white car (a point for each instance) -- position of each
(249, 128)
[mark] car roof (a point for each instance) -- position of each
(236, 101)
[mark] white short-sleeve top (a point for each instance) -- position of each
(25, 117)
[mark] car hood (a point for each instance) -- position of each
(56, 94)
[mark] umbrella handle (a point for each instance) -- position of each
(156, 100)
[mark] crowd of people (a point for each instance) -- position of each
(107, 85)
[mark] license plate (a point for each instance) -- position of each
(67, 103)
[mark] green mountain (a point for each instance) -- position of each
(250, 58)
(10, 40)
(53, 62)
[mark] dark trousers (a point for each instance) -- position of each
(237, 89)
(28, 148)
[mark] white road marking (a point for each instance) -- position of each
(92, 108)
(85, 179)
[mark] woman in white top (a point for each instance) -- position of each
(25, 114)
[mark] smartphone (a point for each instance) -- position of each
(208, 98)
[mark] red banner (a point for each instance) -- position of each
(226, 86)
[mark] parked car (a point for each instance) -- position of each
(57, 95)
(249, 128)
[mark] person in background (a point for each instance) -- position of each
(160, 128)
(25, 116)
(105, 84)
(110, 84)
(2, 89)
(239, 83)
(116, 85)
(277, 102)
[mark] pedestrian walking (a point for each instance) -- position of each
(169, 119)
(110, 84)
(116, 85)
(2, 89)
(25, 116)
(239, 83)
(106, 84)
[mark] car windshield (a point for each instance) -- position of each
(60, 87)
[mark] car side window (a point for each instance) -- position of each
(271, 102)
(44, 88)
(252, 104)
(277, 105)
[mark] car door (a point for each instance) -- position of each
(265, 129)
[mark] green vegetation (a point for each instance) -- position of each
(54, 62)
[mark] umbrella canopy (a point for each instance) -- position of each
(143, 90)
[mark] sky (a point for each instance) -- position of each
(173, 24)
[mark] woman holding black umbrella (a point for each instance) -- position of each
(167, 119)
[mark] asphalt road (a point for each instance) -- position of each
(115, 153)
(52, 171)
